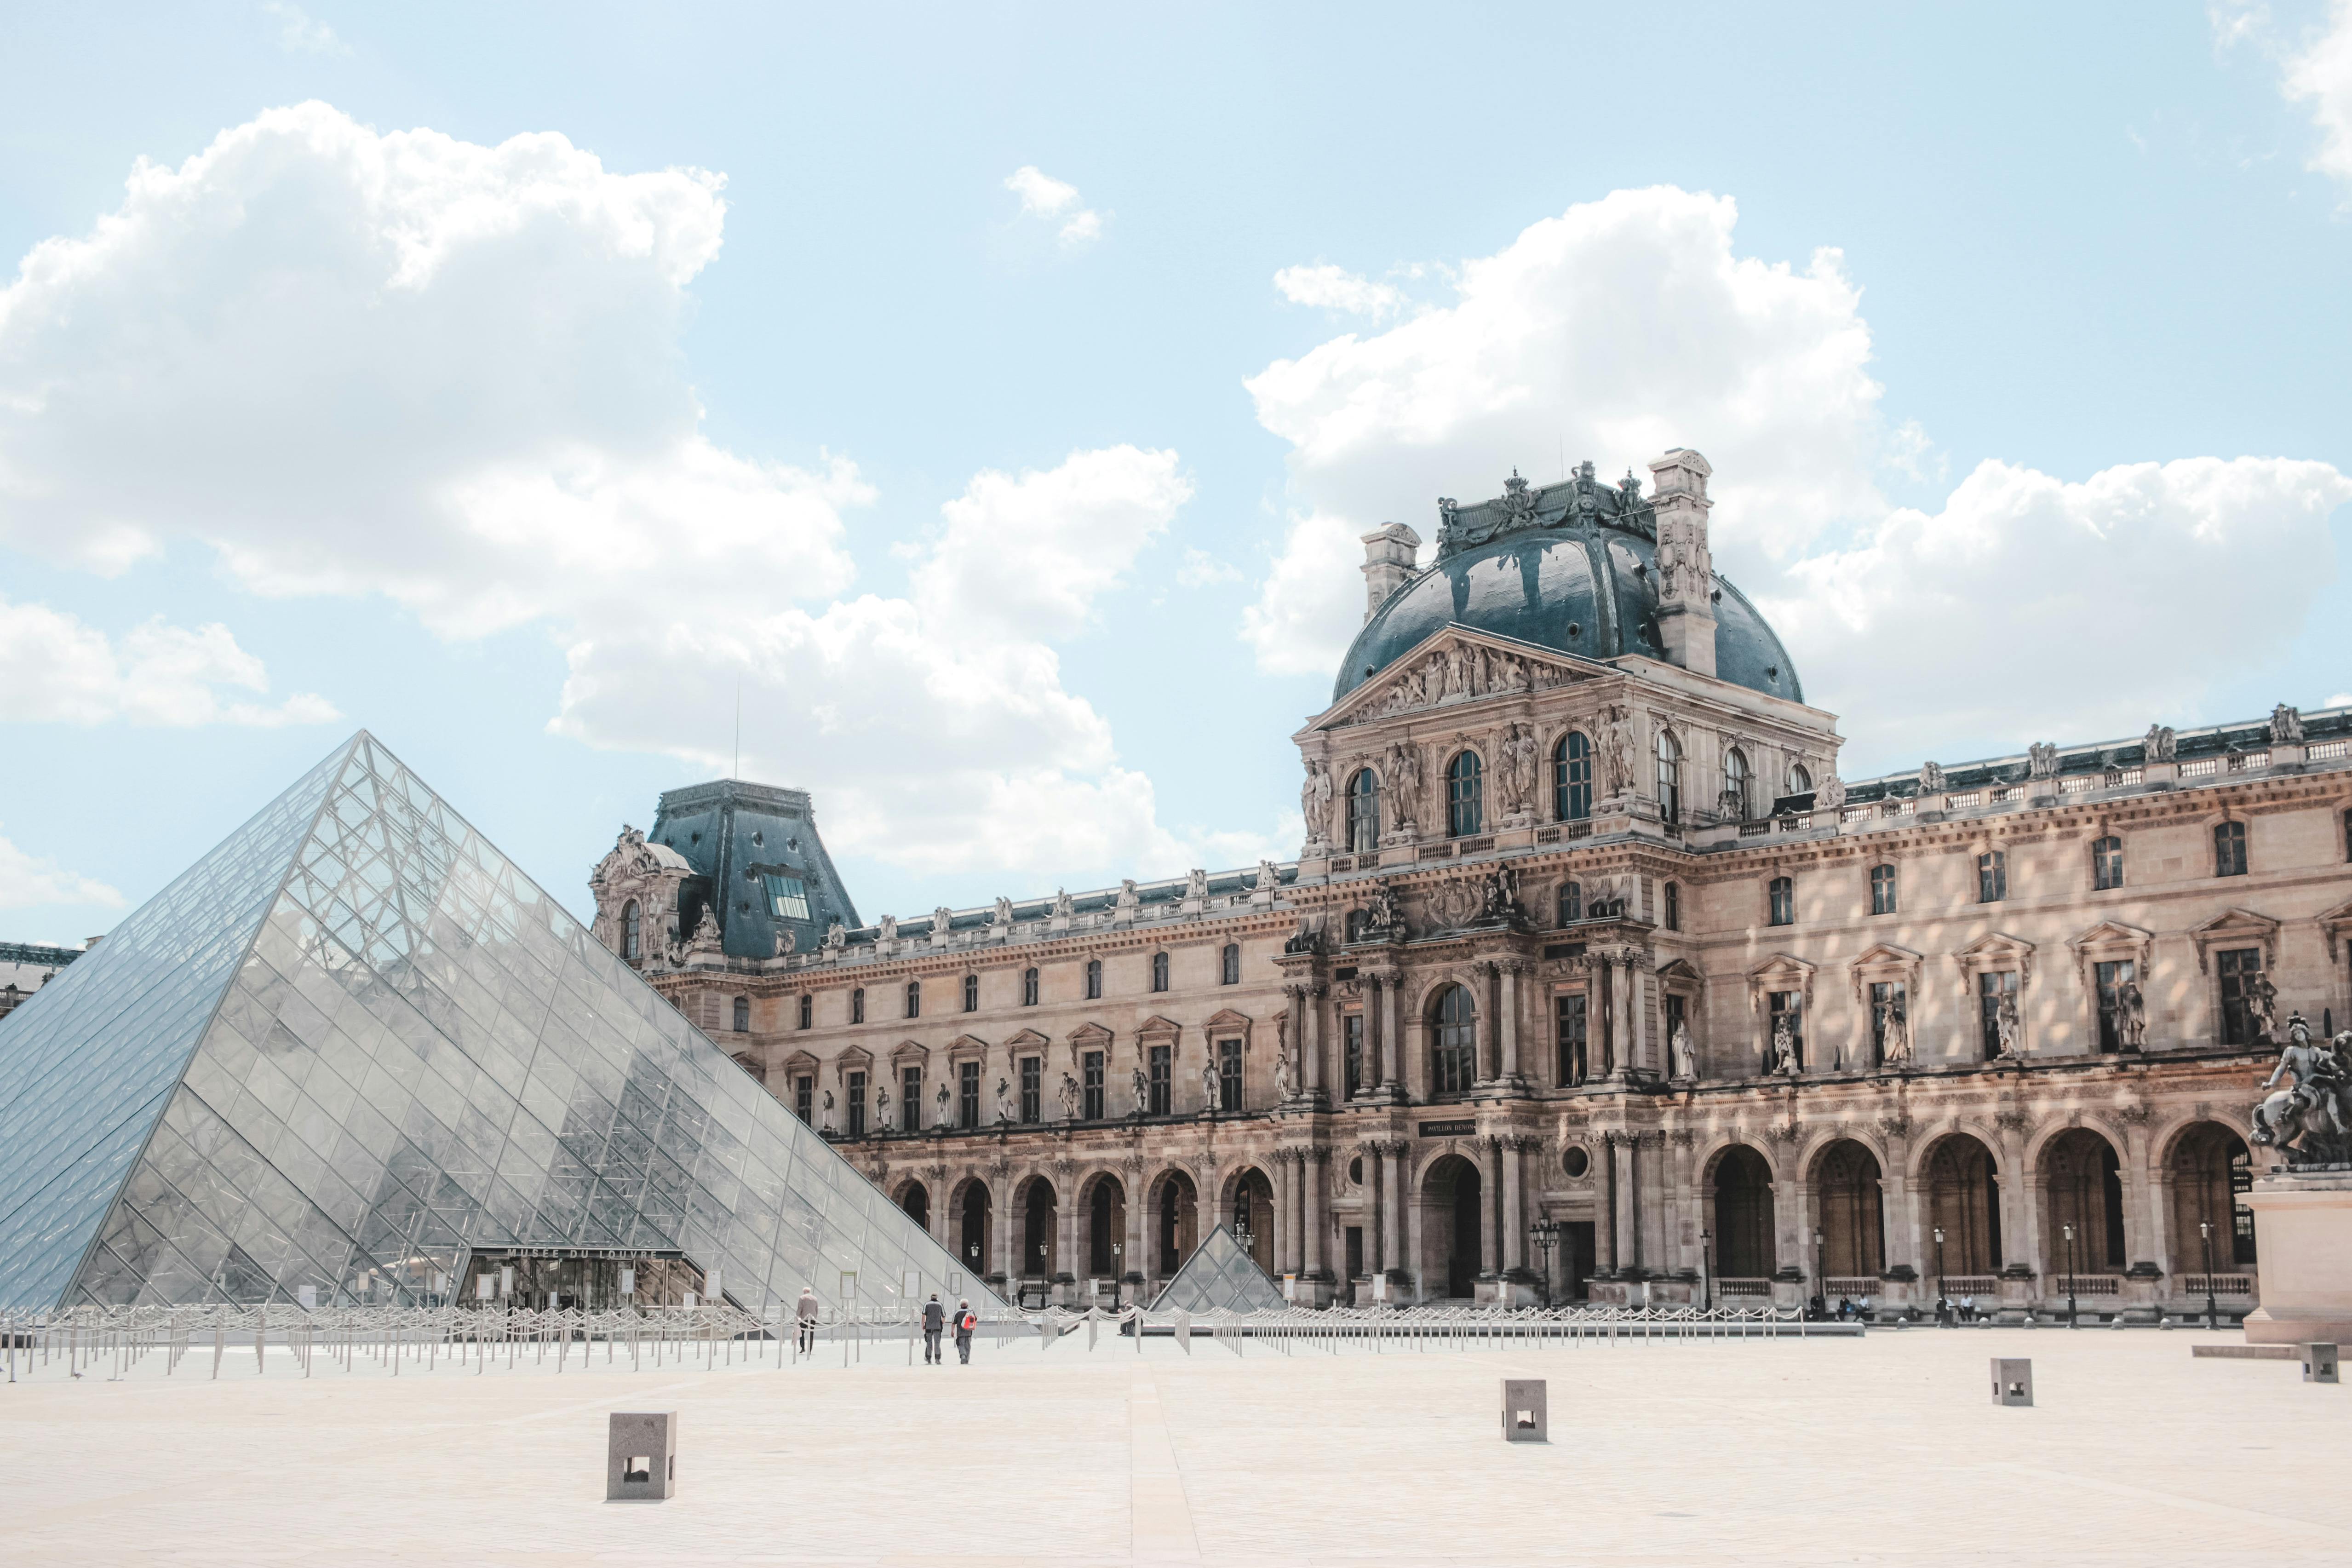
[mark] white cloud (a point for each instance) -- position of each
(299, 34)
(56, 668)
(1615, 330)
(26, 880)
(1055, 202)
(1933, 627)
(2320, 74)
(2236, 21)
(354, 362)
(1199, 570)
(1331, 288)
(2341, 699)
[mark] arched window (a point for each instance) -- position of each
(1029, 988)
(914, 998)
(1464, 794)
(857, 1006)
(2107, 863)
(742, 1014)
(1882, 889)
(972, 992)
(1453, 1044)
(1364, 812)
(1674, 905)
(808, 1010)
(1572, 777)
(631, 931)
(1571, 903)
(1992, 876)
(1736, 803)
(2230, 849)
(1160, 972)
(1094, 979)
(1670, 778)
(1801, 779)
(1780, 901)
(1229, 964)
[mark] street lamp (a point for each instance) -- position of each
(1940, 1303)
(1820, 1274)
(1706, 1272)
(1114, 1276)
(2070, 1277)
(1546, 1235)
(2205, 1235)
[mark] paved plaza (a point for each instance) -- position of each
(1885, 1448)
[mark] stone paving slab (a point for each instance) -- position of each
(1882, 1450)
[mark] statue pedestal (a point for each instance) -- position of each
(2303, 1247)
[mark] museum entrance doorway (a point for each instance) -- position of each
(1451, 1211)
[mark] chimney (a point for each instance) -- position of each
(1390, 551)
(1685, 567)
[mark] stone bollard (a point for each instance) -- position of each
(1525, 1420)
(2319, 1363)
(2012, 1380)
(641, 1460)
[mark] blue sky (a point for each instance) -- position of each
(1019, 507)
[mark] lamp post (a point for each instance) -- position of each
(2205, 1235)
(1706, 1272)
(2070, 1277)
(1114, 1276)
(1546, 1235)
(1940, 1301)
(1820, 1274)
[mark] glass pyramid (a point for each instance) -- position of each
(353, 1046)
(1219, 1278)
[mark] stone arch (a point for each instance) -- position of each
(2207, 1166)
(972, 1225)
(1738, 1196)
(1102, 1199)
(2077, 1179)
(1960, 1176)
(1451, 1021)
(915, 1199)
(1173, 1220)
(1451, 1193)
(1035, 1216)
(1847, 1195)
(1246, 1201)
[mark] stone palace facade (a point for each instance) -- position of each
(1593, 977)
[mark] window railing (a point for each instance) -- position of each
(1754, 829)
(2010, 795)
(1850, 1285)
(2119, 778)
(2086, 1285)
(2328, 750)
(1854, 813)
(2202, 768)
(1436, 852)
(1965, 799)
(1547, 835)
(1971, 1284)
(2247, 762)
(1898, 809)
(2222, 1285)
(2075, 783)
(1342, 863)
(1738, 1288)
(1472, 846)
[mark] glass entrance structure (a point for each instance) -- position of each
(355, 1049)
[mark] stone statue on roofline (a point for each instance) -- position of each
(1830, 796)
(1931, 778)
(2160, 745)
(1196, 884)
(2041, 760)
(2286, 726)
(836, 936)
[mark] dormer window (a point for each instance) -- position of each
(787, 897)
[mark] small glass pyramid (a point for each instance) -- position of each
(353, 1046)
(1219, 1278)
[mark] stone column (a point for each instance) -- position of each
(1004, 1216)
(1605, 1212)
(1065, 1234)
(1392, 1027)
(1313, 1213)
(1313, 1045)
(1136, 1255)
(1375, 986)
(1510, 1017)
(1490, 1180)
(1490, 1014)
(1515, 1201)
(2142, 1241)
(1280, 1248)
(1637, 1009)
(1392, 1240)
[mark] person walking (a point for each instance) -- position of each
(935, 1320)
(966, 1323)
(807, 1312)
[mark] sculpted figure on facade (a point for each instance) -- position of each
(705, 941)
(1129, 900)
(2286, 726)
(836, 936)
(2008, 1026)
(1067, 1093)
(785, 941)
(1196, 885)
(1003, 1102)
(943, 919)
(1002, 915)
(1784, 1046)
(1315, 804)
(1617, 751)
(942, 1098)
(1209, 1084)
(826, 1125)
(1143, 1092)
(1282, 1076)
(1830, 794)
(2131, 1016)
(2262, 1008)
(1894, 1034)
(1062, 906)
(1685, 1059)
(2161, 746)
(887, 929)
(1931, 779)
(1403, 777)
(2310, 1123)
(2041, 760)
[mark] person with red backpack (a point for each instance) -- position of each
(966, 1323)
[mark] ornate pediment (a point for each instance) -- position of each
(2335, 923)
(1028, 1040)
(1455, 665)
(2237, 927)
(1997, 949)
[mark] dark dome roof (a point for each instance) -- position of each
(1572, 585)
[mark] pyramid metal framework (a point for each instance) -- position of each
(353, 1046)
(1219, 1278)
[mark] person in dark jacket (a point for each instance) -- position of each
(935, 1320)
(966, 1321)
(807, 1310)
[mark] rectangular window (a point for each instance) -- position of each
(1888, 1006)
(857, 1006)
(857, 1096)
(1782, 900)
(1032, 1088)
(910, 1099)
(808, 1009)
(1232, 965)
(1994, 987)
(1570, 1022)
(1028, 988)
(1675, 1015)
(1094, 979)
(787, 897)
(805, 1097)
(1992, 876)
(1163, 1080)
(1674, 905)
(1229, 1075)
(1882, 889)
(2107, 864)
(2230, 849)
(967, 1095)
(1091, 1068)
(972, 992)
(1351, 1042)
(2112, 977)
(2240, 970)
(1789, 1006)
